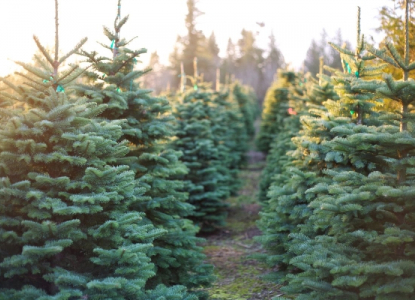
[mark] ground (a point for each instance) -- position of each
(239, 276)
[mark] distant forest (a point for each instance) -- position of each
(244, 59)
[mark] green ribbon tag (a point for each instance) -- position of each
(352, 112)
(45, 81)
(134, 60)
(60, 89)
(195, 87)
(51, 78)
(103, 76)
(349, 70)
(112, 44)
(118, 90)
(357, 74)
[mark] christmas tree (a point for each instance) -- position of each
(113, 81)
(286, 105)
(287, 208)
(248, 105)
(363, 249)
(273, 114)
(202, 145)
(68, 216)
(232, 138)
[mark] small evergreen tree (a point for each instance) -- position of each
(274, 111)
(287, 208)
(67, 217)
(288, 104)
(202, 146)
(248, 106)
(148, 129)
(363, 251)
(232, 138)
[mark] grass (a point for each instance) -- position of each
(239, 277)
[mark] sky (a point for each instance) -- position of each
(156, 23)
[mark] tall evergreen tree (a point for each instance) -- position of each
(200, 138)
(194, 45)
(228, 66)
(365, 252)
(250, 61)
(287, 208)
(177, 258)
(289, 101)
(67, 219)
(275, 110)
(248, 105)
(274, 60)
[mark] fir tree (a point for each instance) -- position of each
(148, 129)
(287, 208)
(287, 106)
(209, 177)
(273, 112)
(65, 214)
(248, 106)
(68, 218)
(365, 251)
(232, 138)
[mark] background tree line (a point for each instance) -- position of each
(244, 59)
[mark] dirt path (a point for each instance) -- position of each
(229, 250)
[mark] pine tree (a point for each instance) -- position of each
(273, 112)
(65, 212)
(68, 223)
(279, 132)
(287, 208)
(248, 105)
(365, 252)
(208, 178)
(148, 129)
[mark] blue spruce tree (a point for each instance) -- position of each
(148, 128)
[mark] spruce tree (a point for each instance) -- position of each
(230, 132)
(274, 110)
(113, 81)
(200, 138)
(365, 252)
(248, 106)
(67, 219)
(287, 106)
(287, 208)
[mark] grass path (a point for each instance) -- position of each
(238, 275)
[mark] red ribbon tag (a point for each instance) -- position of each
(291, 111)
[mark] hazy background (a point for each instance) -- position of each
(157, 23)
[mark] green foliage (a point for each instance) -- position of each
(280, 124)
(212, 134)
(344, 230)
(275, 110)
(148, 128)
(200, 136)
(247, 105)
(66, 217)
(286, 209)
